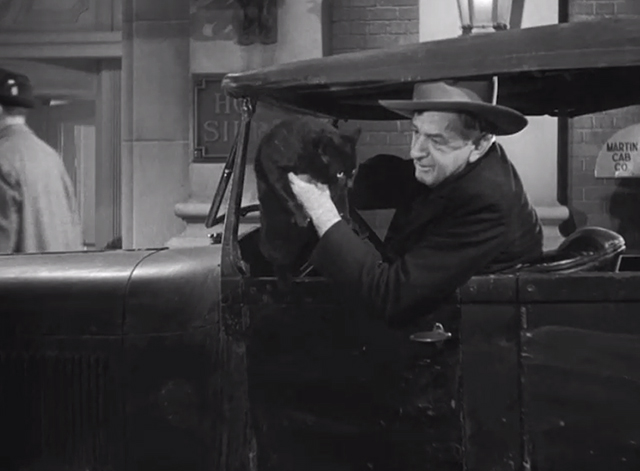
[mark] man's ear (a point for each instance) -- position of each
(480, 146)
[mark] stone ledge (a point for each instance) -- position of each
(192, 211)
(76, 44)
(196, 235)
(552, 213)
(551, 217)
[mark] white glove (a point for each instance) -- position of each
(315, 198)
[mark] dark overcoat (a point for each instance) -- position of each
(477, 221)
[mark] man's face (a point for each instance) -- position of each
(437, 148)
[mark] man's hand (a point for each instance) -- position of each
(315, 198)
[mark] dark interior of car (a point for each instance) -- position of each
(587, 249)
(260, 267)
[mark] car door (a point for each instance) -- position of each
(315, 382)
(331, 388)
(580, 376)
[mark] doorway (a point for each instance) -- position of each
(79, 116)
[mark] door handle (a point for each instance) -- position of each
(437, 335)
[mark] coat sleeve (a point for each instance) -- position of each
(10, 202)
(381, 183)
(415, 284)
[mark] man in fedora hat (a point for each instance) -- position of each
(461, 209)
(38, 210)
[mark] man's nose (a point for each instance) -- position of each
(418, 149)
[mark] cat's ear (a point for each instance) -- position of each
(317, 140)
(352, 136)
(322, 143)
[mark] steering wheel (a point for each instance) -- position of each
(244, 210)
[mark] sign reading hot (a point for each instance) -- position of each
(217, 120)
(620, 155)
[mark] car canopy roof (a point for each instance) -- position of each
(566, 69)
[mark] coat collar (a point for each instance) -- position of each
(8, 128)
(431, 202)
(450, 182)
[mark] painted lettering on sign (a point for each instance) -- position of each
(217, 121)
(215, 130)
(225, 131)
(622, 147)
(620, 155)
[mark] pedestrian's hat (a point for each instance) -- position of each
(15, 90)
(476, 97)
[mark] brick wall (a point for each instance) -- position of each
(611, 203)
(370, 24)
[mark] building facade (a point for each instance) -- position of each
(119, 79)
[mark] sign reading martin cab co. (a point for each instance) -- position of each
(217, 120)
(620, 155)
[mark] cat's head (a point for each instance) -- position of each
(337, 151)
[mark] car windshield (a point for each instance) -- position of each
(264, 118)
(378, 137)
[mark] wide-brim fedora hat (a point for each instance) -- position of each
(16, 90)
(476, 97)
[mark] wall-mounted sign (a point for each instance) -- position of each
(217, 120)
(620, 155)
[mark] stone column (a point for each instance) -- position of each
(533, 151)
(108, 145)
(155, 119)
(301, 27)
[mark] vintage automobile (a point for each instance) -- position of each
(193, 359)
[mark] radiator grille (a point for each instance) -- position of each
(61, 410)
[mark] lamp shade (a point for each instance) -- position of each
(484, 15)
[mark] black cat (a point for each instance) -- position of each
(302, 145)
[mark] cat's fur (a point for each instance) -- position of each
(302, 145)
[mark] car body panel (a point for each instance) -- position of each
(110, 360)
(66, 293)
(550, 371)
